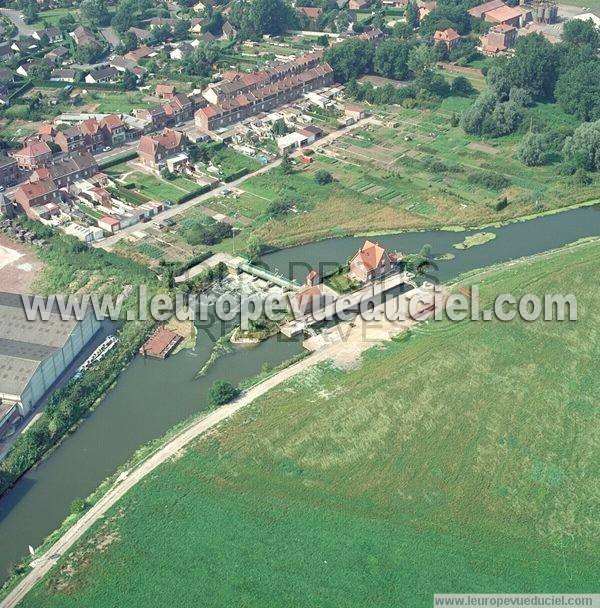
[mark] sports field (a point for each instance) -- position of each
(462, 458)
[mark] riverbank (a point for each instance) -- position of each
(340, 475)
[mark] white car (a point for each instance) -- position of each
(106, 149)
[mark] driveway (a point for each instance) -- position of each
(15, 17)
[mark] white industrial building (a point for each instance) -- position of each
(34, 355)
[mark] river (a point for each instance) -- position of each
(151, 396)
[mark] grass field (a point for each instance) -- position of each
(109, 102)
(460, 459)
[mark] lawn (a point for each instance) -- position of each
(159, 189)
(232, 163)
(459, 459)
(53, 16)
(109, 102)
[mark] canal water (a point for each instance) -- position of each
(152, 396)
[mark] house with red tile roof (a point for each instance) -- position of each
(506, 15)
(449, 37)
(165, 91)
(35, 153)
(311, 12)
(499, 39)
(153, 150)
(370, 262)
(90, 128)
(36, 194)
(113, 130)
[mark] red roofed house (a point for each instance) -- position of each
(312, 12)
(113, 130)
(90, 128)
(506, 15)
(370, 262)
(109, 224)
(358, 5)
(165, 91)
(35, 153)
(35, 194)
(153, 150)
(499, 39)
(449, 37)
(480, 10)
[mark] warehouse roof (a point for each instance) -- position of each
(25, 344)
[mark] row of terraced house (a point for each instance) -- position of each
(239, 96)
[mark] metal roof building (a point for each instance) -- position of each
(34, 354)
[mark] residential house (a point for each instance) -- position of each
(197, 24)
(99, 75)
(9, 171)
(6, 76)
(179, 109)
(449, 37)
(46, 131)
(52, 34)
(505, 15)
(67, 171)
(291, 141)
(25, 45)
(373, 36)
(499, 39)
(165, 91)
(7, 209)
(94, 137)
(354, 111)
(310, 12)
(138, 54)
(35, 153)
(425, 8)
(229, 32)
(370, 262)
(161, 21)
(183, 50)
(141, 35)
(57, 55)
(109, 224)
(312, 133)
(63, 75)
(154, 115)
(480, 10)
(113, 130)
(36, 194)
(359, 5)
(153, 150)
(6, 52)
(25, 69)
(70, 140)
(83, 37)
(271, 95)
(203, 5)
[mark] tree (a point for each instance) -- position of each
(95, 12)
(181, 30)
(534, 66)
(88, 53)
(422, 60)
(461, 87)
(279, 128)
(130, 81)
(578, 91)
(271, 17)
(350, 59)
(66, 23)
(578, 32)
(221, 392)
(255, 246)
(412, 15)
(323, 177)
(200, 62)
(391, 59)
(129, 41)
(286, 165)
(30, 11)
(40, 71)
(533, 150)
(583, 148)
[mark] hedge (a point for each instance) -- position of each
(236, 175)
(118, 160)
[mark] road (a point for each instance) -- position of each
(15, 17)
(111, 241)
(42, 565)
(111, 36)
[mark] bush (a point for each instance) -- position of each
(221, 392)
(489, 180)
(501, 204)
(323, 177)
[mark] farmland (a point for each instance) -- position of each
(370, 486)
(410, 169)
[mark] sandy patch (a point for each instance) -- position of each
(19, 266)
(8, 256)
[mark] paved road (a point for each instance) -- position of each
(15, 17)
(42, 565)
(111, 241)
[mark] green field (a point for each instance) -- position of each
(159, 189)
(462, 458)
(109, 102)
(416, 171)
